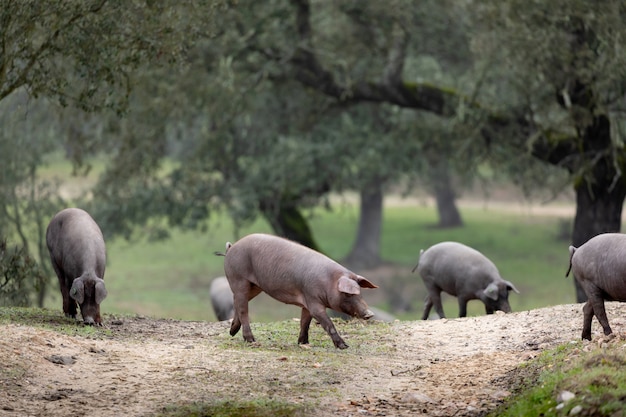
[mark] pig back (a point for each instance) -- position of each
(602, 261)
(452, 265)
(76, 244)
(278, 264)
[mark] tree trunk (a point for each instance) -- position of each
(599, 195)
(365, 251)
(288, 222)
(444, 194)
(598, 210)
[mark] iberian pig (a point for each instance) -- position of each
(599, 266)
(78, 257)
(465, 273)
(222, 299)
(293, 274)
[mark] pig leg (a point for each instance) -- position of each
(435, 297)
(241, 318)
(427, 307)
(462, 306)
(600, 312)
(319, 313)
(596, 299)
(305, 322)
(588, 316)
(69, 304)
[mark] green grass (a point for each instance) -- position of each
(596, 378)
(51, 319)
(253, 408)
(171, 278)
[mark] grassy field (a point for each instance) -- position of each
(171, 278)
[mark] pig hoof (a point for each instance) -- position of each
(342, 345)
(234, 330)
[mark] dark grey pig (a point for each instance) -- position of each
(78, 257)
(600, 268)
(293, 274)
(464, 273)
(222, 299)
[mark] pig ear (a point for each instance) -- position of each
(348, 286)
(101, 291)
(364, 283)
(77, 292)
(491, 291)
(510, 286)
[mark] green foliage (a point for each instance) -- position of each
(246, 137)
(564, 64)
(595, 377)
(82, 52)
(20, 276)
(236, 408)
(27, 201)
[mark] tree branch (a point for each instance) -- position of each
(556, 148)
(310, 72)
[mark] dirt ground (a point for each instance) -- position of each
(449, 367)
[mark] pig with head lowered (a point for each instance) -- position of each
(78, 257)
(599, 266)
(293, 274)
(465, 273)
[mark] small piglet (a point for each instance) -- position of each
(293, 274)
(78, 257)
(599, 266)
(463, 272)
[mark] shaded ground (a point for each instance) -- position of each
(137, 366)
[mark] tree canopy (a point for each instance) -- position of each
(263, 108)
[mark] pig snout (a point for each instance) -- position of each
(361, 311)
(355, 307)
(368, 314)
(91, 315)
(506, 307)
(499, 305)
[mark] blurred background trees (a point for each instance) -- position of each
(269, 108)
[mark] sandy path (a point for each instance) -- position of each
(442, 367)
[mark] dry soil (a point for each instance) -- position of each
(437, 367)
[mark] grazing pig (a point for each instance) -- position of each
(222, 299)
(462, 272)
(599, 266)
(78, 257)
(293, 274)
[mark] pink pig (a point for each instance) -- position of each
(293, 274)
